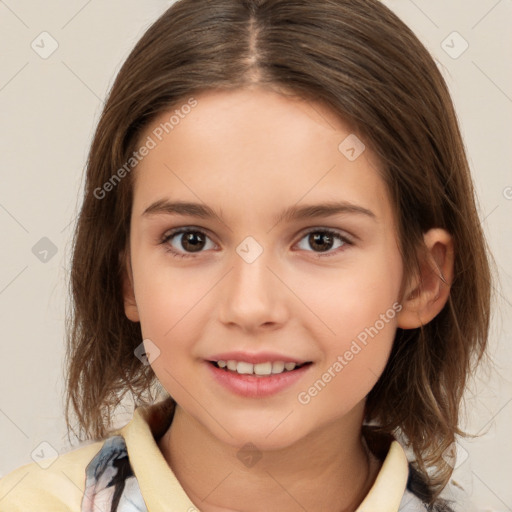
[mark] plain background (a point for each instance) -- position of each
(48, 111)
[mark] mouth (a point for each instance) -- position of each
(260, 369)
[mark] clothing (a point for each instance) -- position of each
(128, 470)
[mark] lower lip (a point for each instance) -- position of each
(253, 386)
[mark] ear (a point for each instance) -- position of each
(130, 305)
(428, 292)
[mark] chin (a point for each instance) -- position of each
(265, 435)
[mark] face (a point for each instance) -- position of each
(260, 272)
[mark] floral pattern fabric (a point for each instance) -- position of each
(110, 484)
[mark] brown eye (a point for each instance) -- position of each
(192, 241)
(184, 242)
(323, 241)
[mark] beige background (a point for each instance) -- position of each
(48, 111)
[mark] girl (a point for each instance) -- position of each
(279, 233)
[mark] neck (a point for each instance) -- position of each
(330, 469)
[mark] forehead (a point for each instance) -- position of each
(255, 148)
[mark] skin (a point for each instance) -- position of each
(249, 154)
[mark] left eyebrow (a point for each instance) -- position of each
(311, 211)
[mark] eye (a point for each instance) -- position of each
(324, 239)
(184, 242)
(191, 240)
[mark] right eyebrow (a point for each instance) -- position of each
(165, 207)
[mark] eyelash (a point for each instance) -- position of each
(179, 231)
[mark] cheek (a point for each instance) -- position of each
(352, 367)
(169, 310)
(174, 309)
(361, 313)
(355, 301)
(166, 299)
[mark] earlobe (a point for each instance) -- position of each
(130, 304)
(429, 291)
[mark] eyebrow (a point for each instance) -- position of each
(311, 211)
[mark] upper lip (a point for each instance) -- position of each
(256, 357)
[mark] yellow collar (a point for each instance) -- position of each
(162, 491)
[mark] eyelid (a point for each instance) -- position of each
(184, 229)
(348, 237)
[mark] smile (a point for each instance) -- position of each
(260, 369)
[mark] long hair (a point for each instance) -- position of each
(359, 59)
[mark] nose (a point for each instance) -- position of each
(253, 296)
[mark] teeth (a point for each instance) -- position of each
(268, 368)
(243, 367)
(262, 368)
(277, 367)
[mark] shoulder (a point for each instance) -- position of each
(49, 485)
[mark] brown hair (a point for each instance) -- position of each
(358, 58)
